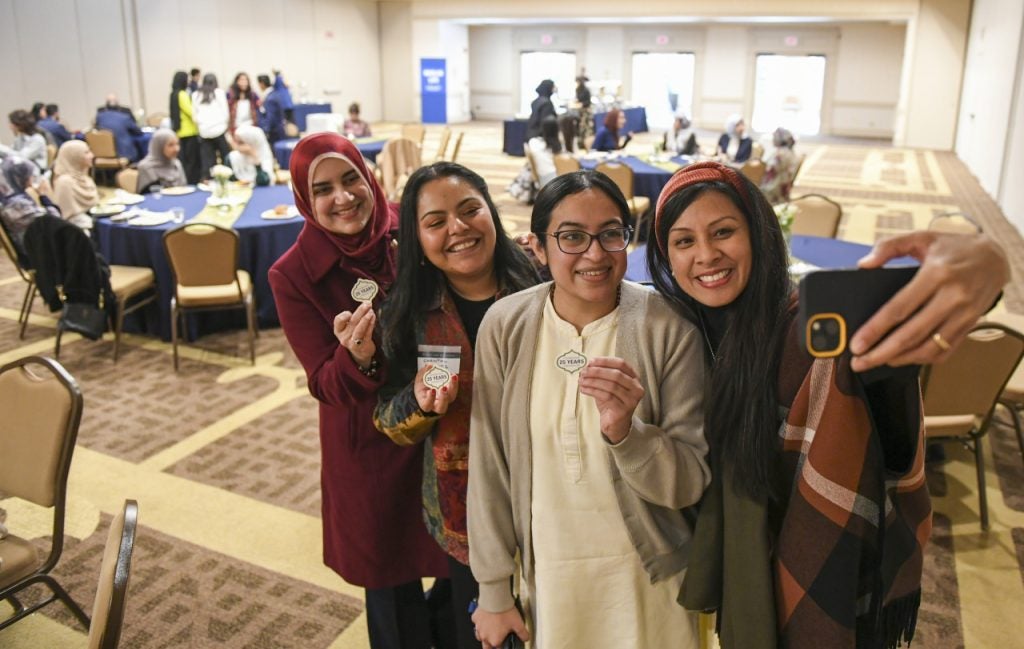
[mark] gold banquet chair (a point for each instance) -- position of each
(415, 132)
(128, 180)
(566, 164)
(816, 215)
(960, 394)
(27, 275)
(457, 147)
(104, 150)
(204, 260)
(1012, 397)
(622, 175)
(442, 147)
(754, 170)
(42, 408)
(111, 593)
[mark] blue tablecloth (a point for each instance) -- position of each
(283, 150)
(299, 112)
(261, 242)
(648, 180)
(822, 252)
(515, 129)
(636, 120)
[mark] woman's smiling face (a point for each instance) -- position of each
(342, 199)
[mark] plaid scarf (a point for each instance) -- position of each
(841, 579)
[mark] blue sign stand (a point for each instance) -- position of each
(433, 91)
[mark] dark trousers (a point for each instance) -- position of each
(464, 590)
(189, 156)
(209, 147)
(403, 617)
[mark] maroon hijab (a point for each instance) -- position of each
(368, 253)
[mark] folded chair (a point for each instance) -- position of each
(42, 408)
(108, 607)
(960, 393)
(204, 259)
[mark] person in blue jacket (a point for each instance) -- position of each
(123, 127)
(271, 111)
(51, 124)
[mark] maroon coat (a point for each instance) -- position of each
(374, 535)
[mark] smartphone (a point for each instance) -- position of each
(835, 303)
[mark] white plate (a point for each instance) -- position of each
(106, 210)
(177, 191)
(127, 198)
(271, 215)
(152, 218)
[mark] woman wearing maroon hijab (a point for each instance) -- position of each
(374, 534)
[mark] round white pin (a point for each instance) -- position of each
(365, 290)
(571, 361)
(437, 377)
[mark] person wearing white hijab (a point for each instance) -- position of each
(252, 152)
(74, 189)
(734, 144)
(161, 167)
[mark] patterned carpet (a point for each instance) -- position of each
(223, 457)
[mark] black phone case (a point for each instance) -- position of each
(853, 295)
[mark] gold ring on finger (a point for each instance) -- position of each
(941, 342)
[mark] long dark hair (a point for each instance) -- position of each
(418, 281)
(549, 131)
(566, 185)
(741, 412)
(611, 122)
(206, 90)
(180, 81)
(236, 90)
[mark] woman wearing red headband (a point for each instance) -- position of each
(789, 548)
(325, 287)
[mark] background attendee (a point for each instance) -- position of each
(53, 126)
(585, 127)
(194, 81)
(243, 103)
(440, 300)
(271, 111)
(682, 140)
(252, 160)
(124, 128)
(284, 95)
(543, 149)
(587, 440)
(112, 103)
(780, 171)
(73, 188)
(185, 127)
(38, 111)
(354, 126)
(210, 113)
(735, 145)
(374, 536)
(541, 108)
(29, 142)
(608, 137)
(161, 167)
(17, 208)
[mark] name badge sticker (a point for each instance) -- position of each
(571, 361)
(365, 290)
(437, 378)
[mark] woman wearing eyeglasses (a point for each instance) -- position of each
(587, 441)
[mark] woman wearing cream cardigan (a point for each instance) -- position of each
(74, 189)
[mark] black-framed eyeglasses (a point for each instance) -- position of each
(577, 242)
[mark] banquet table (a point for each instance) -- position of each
(515, 129)
(648, 178)
(818, 252)
(370, 147)
(300, 111)
(261, 242)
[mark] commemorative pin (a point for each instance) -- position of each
(437, 377)
(364, 290)
(571, 361)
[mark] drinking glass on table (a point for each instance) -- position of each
(178, 214)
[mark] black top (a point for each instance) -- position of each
(471, 313)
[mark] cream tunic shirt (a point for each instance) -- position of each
(590, 588)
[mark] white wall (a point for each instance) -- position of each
(1011, 195)
(988, 88)
(74, 52)
(868, 68)
(930, 96)
(398, 74)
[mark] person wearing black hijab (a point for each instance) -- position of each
(542, 108)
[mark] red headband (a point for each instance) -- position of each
(700, 172)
